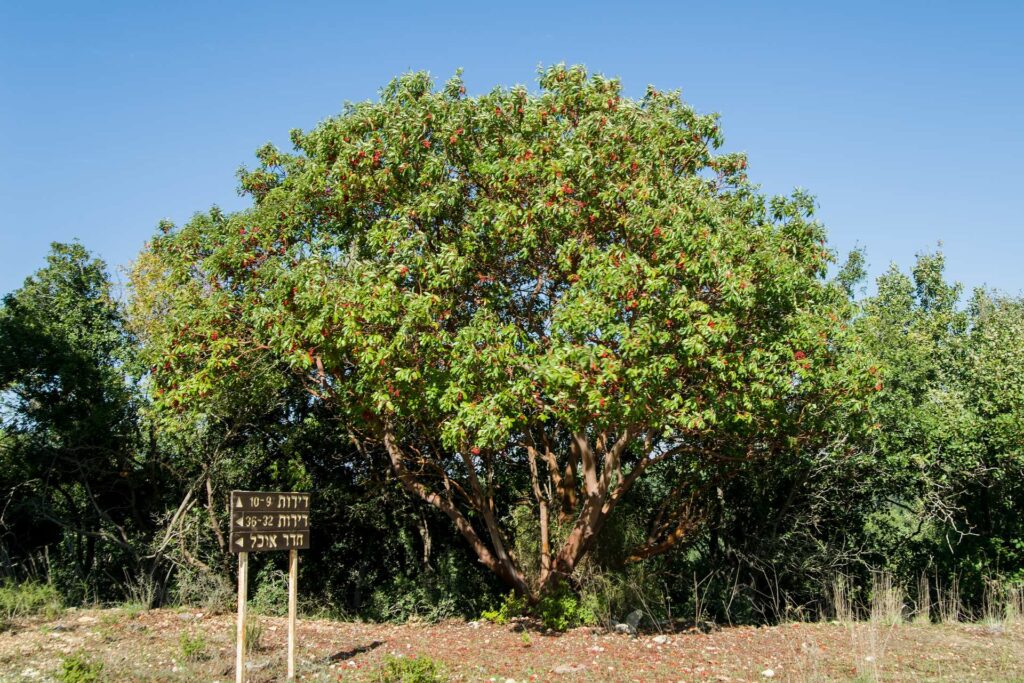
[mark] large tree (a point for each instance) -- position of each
(516, 295)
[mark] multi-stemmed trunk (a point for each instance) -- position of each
(598, 463)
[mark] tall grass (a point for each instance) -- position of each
(923, 610)
(19, 600)
(886, 599)
(950, 606)
(1015, 604)
(841, 600)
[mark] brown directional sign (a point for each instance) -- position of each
(269, 520)
(255, 542)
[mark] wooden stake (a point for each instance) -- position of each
(293, 591)
(243, 596)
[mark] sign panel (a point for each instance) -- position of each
(269, 520)
(255, 542)
(269, 501)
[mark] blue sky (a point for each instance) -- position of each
(905, 120)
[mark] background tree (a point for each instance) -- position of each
(76, 475)
(950, 430)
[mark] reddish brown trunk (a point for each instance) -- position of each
(506, 571)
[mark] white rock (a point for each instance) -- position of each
(768, 673)
(660, 640)
(568, 668)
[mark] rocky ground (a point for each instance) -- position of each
(188, 645)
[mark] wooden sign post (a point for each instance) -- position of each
(263, 521)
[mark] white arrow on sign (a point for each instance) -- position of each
(241, 521)
(238, 502)
(240, 542)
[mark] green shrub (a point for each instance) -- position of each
(19, 600)
(411, 670)
(193, 647)
(512, 606)
(563, 610)
(271, 596)
(206, 590)
(78, 668)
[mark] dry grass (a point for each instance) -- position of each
(148, 647)
(950, 606)
(886, 599)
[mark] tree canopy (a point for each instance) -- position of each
(519, 295)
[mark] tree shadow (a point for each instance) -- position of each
(349, 654)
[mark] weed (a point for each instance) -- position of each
(886, 599)
(512, 606)
(950, 606)
(19, 600)
(253, 635)
(411, 670)
(78, 668)
(193, 648)
(141, 590)
(923, 611)
(525, 639)
(1015, 603)
(206, 590)
(839, 595)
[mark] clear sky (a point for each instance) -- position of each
(905, 119)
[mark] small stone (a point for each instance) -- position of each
(568, 668)
(474, 624)
(661, 639)
(625, 628)
(768, 673)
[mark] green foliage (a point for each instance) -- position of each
(254, 634)
(421, 669)
(28, 598)
(464, 297)
(79, 668)
(193, 648)
(71, 443)
(511, 606)
(457, 279)
(271, 596)
(563, 609)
